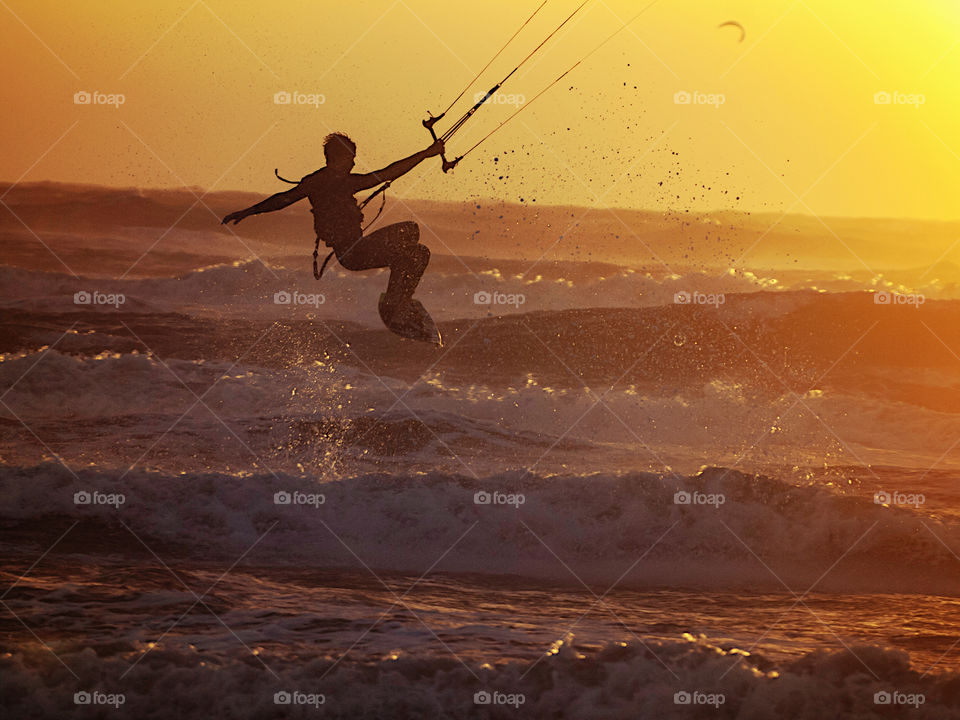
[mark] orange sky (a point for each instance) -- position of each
(798, 118)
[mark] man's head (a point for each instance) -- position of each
(340, 151)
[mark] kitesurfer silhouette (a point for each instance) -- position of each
(338, 220)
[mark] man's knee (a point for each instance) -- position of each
(410, 232)
(422, 255)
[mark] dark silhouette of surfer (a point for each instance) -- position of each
(338, 220)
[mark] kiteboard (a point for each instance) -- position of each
(412, 322)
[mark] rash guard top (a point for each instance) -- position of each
(337, 218)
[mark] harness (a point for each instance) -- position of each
(382, 190)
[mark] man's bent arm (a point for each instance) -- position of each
(398, 169)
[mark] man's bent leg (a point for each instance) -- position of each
(405, 274)
(395, 246)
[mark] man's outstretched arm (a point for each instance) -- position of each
(398, 169)
(272, 203)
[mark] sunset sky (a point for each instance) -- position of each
(799, 128)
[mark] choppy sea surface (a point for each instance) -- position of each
(228, 492)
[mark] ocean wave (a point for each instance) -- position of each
(505, 414)
(492, 288)
(648, 679)
(733, 530)
(769, 341)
